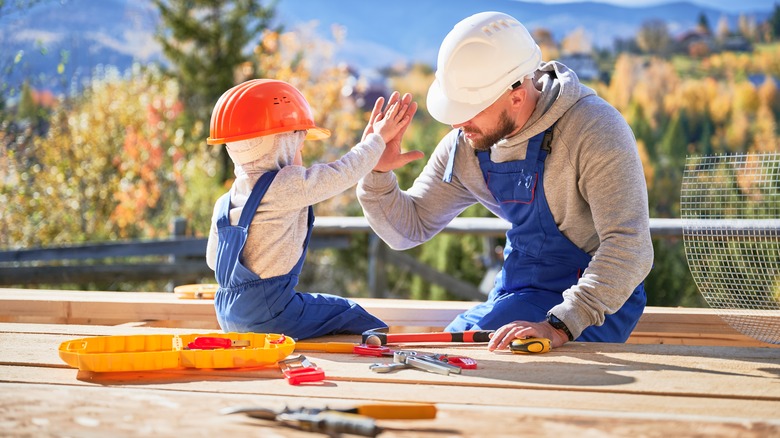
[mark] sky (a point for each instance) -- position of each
(724, 5)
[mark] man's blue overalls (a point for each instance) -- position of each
(247, 303)
(539, 261)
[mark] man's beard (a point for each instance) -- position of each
(505, 127)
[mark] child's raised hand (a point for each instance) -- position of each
(389, 124)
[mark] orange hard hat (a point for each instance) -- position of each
(260, 107)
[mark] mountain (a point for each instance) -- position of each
(90, 33)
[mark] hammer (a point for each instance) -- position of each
(378, 337)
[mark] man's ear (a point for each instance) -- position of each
(518, 96)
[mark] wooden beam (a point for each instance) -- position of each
(658, 325)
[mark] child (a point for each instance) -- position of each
(260, 229)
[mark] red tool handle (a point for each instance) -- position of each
(209, 343)
(307, 374)
(372, 350)
(464, 362)
(372, 337)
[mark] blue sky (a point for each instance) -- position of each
(725, 5)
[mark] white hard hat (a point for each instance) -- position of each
(480, 59)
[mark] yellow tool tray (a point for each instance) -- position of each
(159, 352)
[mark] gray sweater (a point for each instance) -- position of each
(593, 181)
(278, 230)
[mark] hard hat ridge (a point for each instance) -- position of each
(481, 57)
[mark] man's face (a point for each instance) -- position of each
(481, 136)
(490, 126)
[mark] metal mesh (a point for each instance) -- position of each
(730, 205)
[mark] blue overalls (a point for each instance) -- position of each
(245, 302)
(539, 261)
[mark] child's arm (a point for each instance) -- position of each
(296, 186)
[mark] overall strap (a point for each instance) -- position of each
(258, 191)
(451, 160)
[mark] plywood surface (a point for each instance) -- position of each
(581, 388)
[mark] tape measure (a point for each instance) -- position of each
(530, 346)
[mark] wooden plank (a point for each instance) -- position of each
(686, 326)
(583, 367)
(110, 411)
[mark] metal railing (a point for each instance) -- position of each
(184, 257)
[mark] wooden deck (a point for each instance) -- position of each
(644, 388)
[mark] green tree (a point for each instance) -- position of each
(774, 22)
(206, 42)
(703, 25)
(27, 109)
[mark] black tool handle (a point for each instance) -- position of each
(333, 423)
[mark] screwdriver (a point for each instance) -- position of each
(530, 345)
(387, 411)
(331, 423)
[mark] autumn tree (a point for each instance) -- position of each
(544, 38)
(105, 169)
(653, 37)
(578, 41)
(723, 30)
(206, 42)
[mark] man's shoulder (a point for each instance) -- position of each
(593, 110)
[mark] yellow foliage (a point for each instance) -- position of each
(657, 82)
(624, 79)
(737, 132)
(306, 62)
(765, 131)
(647, 164)
(745, 98)
(768, 94)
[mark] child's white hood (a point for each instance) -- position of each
(267, 153)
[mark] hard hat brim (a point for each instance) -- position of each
(451, 112)
(317, 133)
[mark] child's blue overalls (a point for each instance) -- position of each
(539, 261)
(247, 303)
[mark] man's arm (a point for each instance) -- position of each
(404, 219)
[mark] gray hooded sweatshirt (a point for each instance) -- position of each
(279, 227)
(594, 184)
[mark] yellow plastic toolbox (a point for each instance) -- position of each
(168, 351)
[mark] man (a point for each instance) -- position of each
(544, 152)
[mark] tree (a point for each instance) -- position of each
(576, 42)
(544, 38)
(774, 22)
(106, 169)
(653, 37)
(703, 25)
(723, 31)
(206, 42)
(27, 109)
(747, 27)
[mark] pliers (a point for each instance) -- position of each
(439, 364)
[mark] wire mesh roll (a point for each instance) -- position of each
(730, 206)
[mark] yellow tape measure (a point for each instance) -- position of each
(530, 345)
